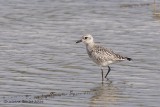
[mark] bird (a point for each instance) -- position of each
(100, 55)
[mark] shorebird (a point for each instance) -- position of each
(101, 55)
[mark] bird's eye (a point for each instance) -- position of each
(85, 37)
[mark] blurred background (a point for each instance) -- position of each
(38, 53)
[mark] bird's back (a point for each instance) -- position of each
(103, 56)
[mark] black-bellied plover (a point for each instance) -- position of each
(100, 55)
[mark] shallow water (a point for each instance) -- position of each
(41, 63)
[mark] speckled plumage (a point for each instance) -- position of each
(100, 55)
(103, 56)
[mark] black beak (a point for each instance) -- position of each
(78, 41)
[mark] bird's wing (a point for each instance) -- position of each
(105, 54)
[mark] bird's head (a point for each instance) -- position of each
(86, 39)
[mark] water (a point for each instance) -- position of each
(41, 63)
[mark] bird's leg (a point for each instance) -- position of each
(108, 71)
(102, 73)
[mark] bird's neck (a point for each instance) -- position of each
(91, 44)
(89, 48)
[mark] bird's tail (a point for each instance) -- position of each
(129, 59)
(123, 58)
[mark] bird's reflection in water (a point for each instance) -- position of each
(157, 17)
(104, 95)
